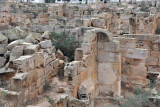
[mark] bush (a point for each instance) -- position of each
(65, 43)
(47, 85)
(50, 100)
(157, 31)
(2, 97)
(139, 100)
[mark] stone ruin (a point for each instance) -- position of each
(118, 51)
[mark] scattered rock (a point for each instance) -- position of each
(3, 49)
(3, 39)
(46, 44)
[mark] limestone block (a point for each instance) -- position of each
(16, 52)
(33, 94)
(2, 62)
(47, 60)
(31, 49)
(44, 15)
(3, 49)
(56, 63)
(108, 68)
(38, 59)
(40, 71)
(36, 36)
(78, 103)
(99, 23)
(40, 89)
(40, 81)
(110, 46)
(126, 42)
(48, 77)
(19, 81)
(89, 36)
(86, 47)
(24, 63)
(55, 72)
(32, 86)
(87, 22)
(46, 35)
(46, 44)
(78, 54)
(12, 45)
(29, 39)
(137, 53)
(3, 39)
(107, 57)
(151, 61)
(11, 35)
(155, 54)
(32, 76)
(48, 68)
(153, 69)
(71, 69)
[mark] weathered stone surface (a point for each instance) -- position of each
(3, 49)
(2, 61)
(38, 59)
(10, 35)
(16, 52)
(77, 103)
(24, 63)
(46, 44)
(3, 39)
(12, 45)
(31, 49)
(29, 39)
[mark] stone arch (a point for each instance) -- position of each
(99, 44)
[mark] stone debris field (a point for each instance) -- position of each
(102, 54)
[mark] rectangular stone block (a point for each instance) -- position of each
(137, 53)
(126, 42)
(38, 59)
(24, 63)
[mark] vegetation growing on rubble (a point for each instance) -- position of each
(139, 100)
(2, 97)
(50, 100)
(157, 31)
(65, 43)
(47, 85)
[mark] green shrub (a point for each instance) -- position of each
(139, 100)
(65, 43)
(47, 85)
(2, 97)
(50, 100)
(157, 31)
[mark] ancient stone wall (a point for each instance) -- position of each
(90, 68)
(150, 42)
(29, 68)
(133, 62)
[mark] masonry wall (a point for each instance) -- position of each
(32, 67)
(133, 62)
(150, 42)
